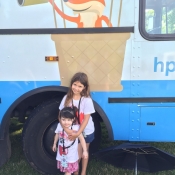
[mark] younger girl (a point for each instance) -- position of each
(67, 154)
(79, 96)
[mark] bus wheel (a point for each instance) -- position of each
(94, 146)
(38, 135)
(5, 147)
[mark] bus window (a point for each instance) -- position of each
(168, 20)
(157, 19)
(149, 19)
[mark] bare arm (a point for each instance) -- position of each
(55, 142)
(83, 124)
(74, 135)
(83, 144)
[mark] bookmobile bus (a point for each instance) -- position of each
(127, 49)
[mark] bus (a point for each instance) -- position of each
(127, 49)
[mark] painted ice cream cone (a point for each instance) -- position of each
(100, 56)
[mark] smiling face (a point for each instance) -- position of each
(77, 88)
(66, 122)
(84, 6)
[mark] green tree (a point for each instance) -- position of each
(149, 13)
(171, 21)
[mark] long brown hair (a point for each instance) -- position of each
(83, 79)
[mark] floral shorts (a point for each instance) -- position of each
(71, 168)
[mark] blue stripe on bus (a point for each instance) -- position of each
(150, 88)
(120, 115)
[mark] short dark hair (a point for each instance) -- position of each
(67, 112)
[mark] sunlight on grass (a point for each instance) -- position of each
(18, 132)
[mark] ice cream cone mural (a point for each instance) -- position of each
(99, 55)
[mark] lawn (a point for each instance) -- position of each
(17, 164)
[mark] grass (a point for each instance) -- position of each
(17, 164)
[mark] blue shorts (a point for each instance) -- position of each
(89, 138)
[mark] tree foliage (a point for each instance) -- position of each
(167, 21)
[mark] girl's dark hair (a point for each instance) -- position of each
(67, 112)
(83, 79)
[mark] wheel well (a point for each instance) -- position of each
(24, 108)
(34, 98)
(103, 117)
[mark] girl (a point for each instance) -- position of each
(79, 95)
(67, 154)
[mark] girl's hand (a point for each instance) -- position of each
(73, 135)
(85, 155)
(54, 148)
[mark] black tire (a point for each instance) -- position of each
(5, 147)
(94, 146)
(38, 135)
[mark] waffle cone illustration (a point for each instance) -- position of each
(100, 56)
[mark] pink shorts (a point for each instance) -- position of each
(72, 167)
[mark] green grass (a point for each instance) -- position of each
(17, 164)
